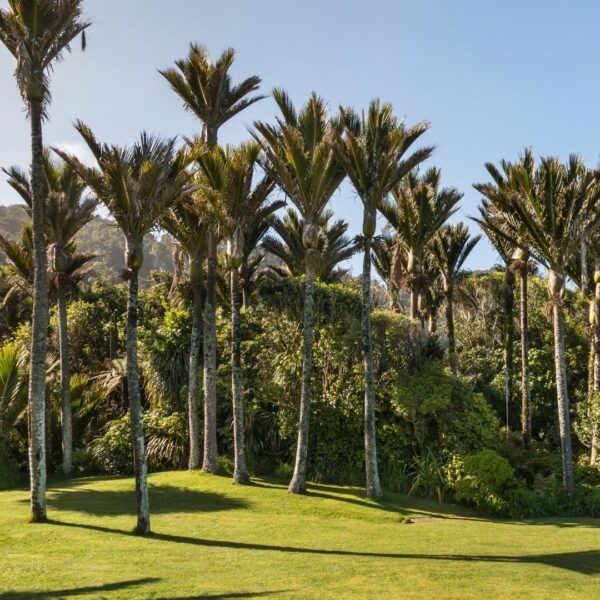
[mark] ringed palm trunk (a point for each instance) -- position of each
(194, 461)
(525, 386)
(65, 382)
(240, 472)
(39, 327)
(135, 409)
(509, 338)
(450, 328)
(372, 473)
(594, 449)
(211, 457)
(298, 482)
(562, 396)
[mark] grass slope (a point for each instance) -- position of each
(214, 540)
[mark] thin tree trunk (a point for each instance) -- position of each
(450, 328)
(65, 382)
(211, 455)
(193, 383)
(135, 407)
(298, 482)
(594, 449)
(562, 398)
(39, 327)
(525, 386)
(373, 484)
(509, 338)
(432, 324)
(414, 301)
(240, 472)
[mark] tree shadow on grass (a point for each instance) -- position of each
(163, 499)
(225, 595)
(586, 562)
(91, 589)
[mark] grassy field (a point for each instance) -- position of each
(214, 540)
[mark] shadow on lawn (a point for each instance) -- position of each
(163, 499)
(586, 562)
(92, 589)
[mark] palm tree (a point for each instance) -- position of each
(228, 181)
(137, 185)
(499, 229)
(185, 223)
(371, 149)
(334, 246)
(382, 257)
(208, 92)
(419, 209)
(37, 33)
(556, 205)
(450, 248)
(20, 258)
(491, 221)
(301, 159)
(67, 210)
(431, 296)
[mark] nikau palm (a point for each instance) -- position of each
(371, 150)
(450, 248)
(37, 33)
(137, 185)
(301, 159)
(208, 92)
(334, 246)
(228, 180)
(67, 209)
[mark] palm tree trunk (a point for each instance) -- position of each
(509, 339)
(211, 456)
(525, 386)
(39, 327)
(193, 384)
(414, 301)
(450, 330)
(562, 398)
(240, 472)
(298, 482)
(594, 444)
(373, 484)
(65, 382)
(135, 407)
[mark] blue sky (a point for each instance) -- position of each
(491, 77)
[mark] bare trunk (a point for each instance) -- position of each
(65, 383)
(298, 482)
(135, 409)
(562, 398)
(240, 472)
(450, 327)
(414, 301)
(509, 338)
(525, 386)
(39, 327)
(211, 456)
(373, 484)
(432, 324)
(594, 449)
(193, 383)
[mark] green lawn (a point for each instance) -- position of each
(215, 540)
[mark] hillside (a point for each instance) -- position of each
(100, 236)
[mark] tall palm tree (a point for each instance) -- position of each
(382, 258)
(186, 223)
(137, 185)
(499, 229)
(419, 208)
(372, 149)
(67, 210)
(301, 159)
(556, 205)
(228, 180)
(209, 93)
(450, 248)
(334, 246)
(37, 33)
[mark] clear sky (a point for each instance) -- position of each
(492, 77)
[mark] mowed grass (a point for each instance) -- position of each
(215, 540)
